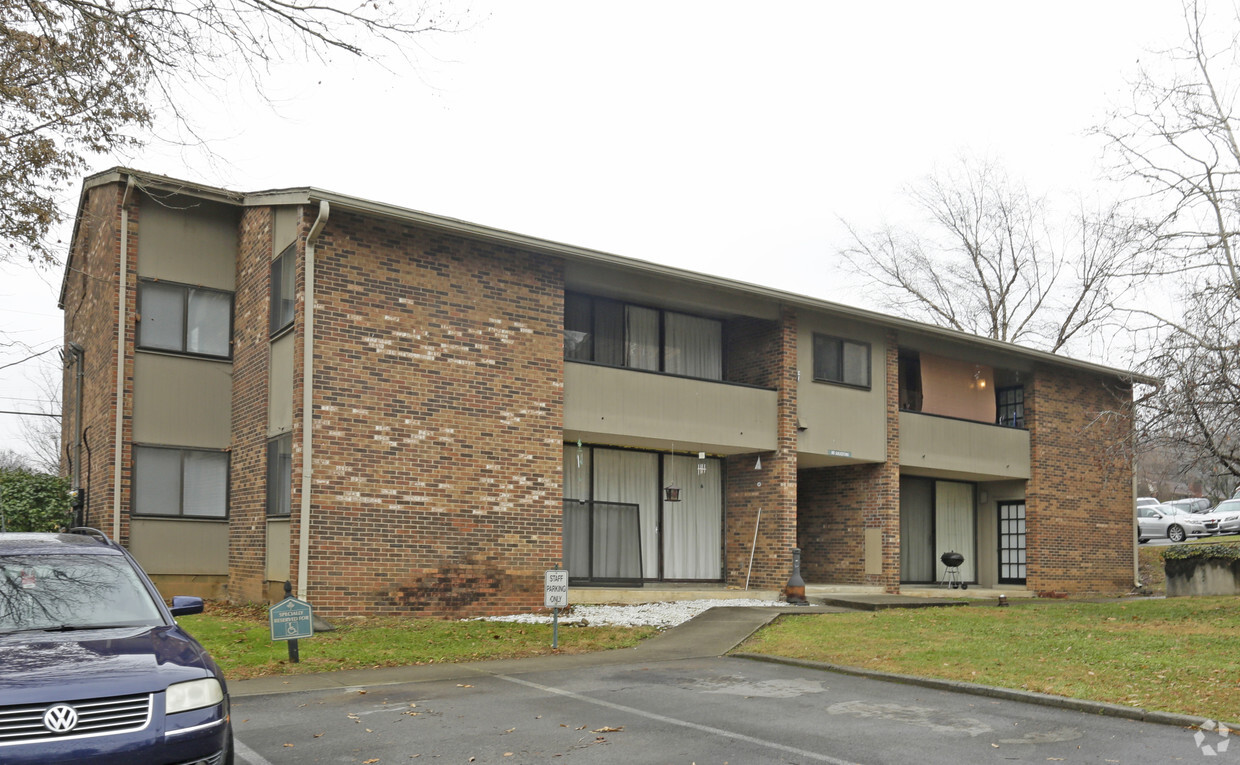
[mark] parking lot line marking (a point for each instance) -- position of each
(248, 754)
(682, 723)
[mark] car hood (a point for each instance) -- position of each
(63, 666)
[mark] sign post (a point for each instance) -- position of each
(290, 620)
(555, 597)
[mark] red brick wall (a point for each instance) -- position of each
(1079, 498)
(753, 352)
(437, 428)
(247, 501)
(773, 489)
(90, 300)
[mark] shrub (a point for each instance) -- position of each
(31, 501)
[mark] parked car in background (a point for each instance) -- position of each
(1197, 505)
(93, 666)
(1227, 515)
(1169, 521)
(1143, 501)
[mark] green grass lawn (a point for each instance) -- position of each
(239, 639)
(1177, 655)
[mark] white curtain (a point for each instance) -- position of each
(157, 481)
(206, 484)
(954, 526)
(209, 322)
(694, 346)
(916, 530)
(576, 551)
(692, 527)
(162, 312)
(629, 477)
(642, 337)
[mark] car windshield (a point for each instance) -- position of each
(68, 592)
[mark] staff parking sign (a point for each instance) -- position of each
(555, 588)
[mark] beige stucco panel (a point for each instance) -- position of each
(838, 417)
(196, 245)
(284, 229)
(179, 546)
(280, 386)
(182, 401)
(278, 550)
(960, 449)
(628, 408)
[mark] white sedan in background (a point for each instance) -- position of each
(1228, 516)
(1174, 523)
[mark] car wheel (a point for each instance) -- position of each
(1175, 533)
(1142, 540)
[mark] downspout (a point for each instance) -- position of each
(307, 400)
(121, 303)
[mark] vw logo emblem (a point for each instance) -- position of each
(61, 718)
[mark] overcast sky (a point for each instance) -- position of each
(723, 137)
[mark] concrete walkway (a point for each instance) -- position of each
(712, 633)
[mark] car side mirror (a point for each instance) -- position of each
(185, 605)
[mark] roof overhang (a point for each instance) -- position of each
(162, 185)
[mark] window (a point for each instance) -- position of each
(837, 360)
(1012, 548)
(622, 335)
(180, 482)
(283, 285)
(280, 475)
(184, 319)
(1010, 407)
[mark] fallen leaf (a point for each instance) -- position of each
(510, 730)
(507, 754)
(370, 762)
(290, 746)
(317, 735)
(460, 685)
(608, 729)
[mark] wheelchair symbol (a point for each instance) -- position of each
(291, 629)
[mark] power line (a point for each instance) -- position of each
(29, 414)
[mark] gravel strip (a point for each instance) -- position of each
(661, 615)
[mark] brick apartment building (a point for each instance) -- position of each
(484, 405)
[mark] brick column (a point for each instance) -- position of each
(247, 518)
(773, 488)
(884, 513)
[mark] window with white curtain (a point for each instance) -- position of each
(686, 536)
(631, 477)
(180, 482)
(693, 346)
(693, 527)
(641, 333)
(184, 319)
(280, 475)
(283, 286)
(624, 335)
(955, 528)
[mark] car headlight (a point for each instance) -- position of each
(195, 694)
